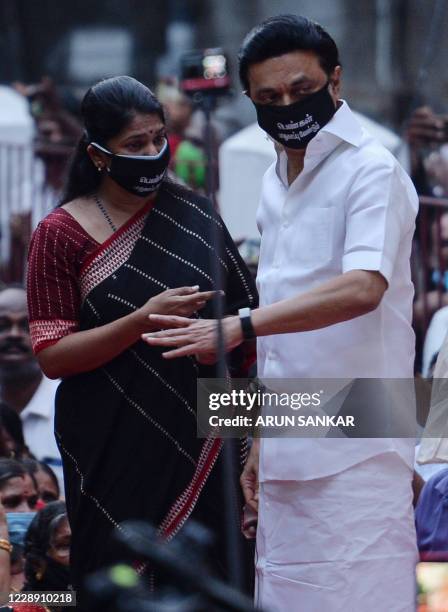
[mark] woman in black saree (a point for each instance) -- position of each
(126, 243)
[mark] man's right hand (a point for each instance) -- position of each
(249, 477)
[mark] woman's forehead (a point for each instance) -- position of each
(63, 527)
(143, 124)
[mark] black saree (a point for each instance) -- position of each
(127, 430)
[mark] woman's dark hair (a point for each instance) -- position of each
(10, 468)
(107, 108)
(33, 466)
(38, 537)
(11, 422)
(284, 34)
(47, 469)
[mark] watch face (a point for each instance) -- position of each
(244, 312)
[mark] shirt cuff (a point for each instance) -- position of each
(366, 260)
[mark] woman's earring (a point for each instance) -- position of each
(99, 167)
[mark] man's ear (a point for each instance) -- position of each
(335, 81)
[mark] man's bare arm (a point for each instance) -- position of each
(345, 297)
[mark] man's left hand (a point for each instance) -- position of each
(193, 336)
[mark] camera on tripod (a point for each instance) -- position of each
(205, 72)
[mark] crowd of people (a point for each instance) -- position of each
(34, 548)
(120, 322)
(427, 137)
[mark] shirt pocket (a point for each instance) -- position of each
(312, 245)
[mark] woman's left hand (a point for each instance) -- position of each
(192, 336)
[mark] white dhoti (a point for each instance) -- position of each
(344, 543)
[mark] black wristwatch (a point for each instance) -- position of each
(246, 324)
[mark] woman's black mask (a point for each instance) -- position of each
(138, 174)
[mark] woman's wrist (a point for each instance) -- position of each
(140, 322)
(5, 545)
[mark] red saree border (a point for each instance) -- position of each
(113, 253)
(184, 505)
(104, 245)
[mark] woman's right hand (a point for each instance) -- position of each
(182, 301)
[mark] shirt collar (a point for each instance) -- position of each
(342, 127)
(42, 402)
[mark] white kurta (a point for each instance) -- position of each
(330, 514)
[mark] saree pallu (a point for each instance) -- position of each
(127, 430)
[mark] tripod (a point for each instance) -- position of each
(207, 104)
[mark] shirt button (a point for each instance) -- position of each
(285, 224)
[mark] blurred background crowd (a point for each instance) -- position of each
(395, 76)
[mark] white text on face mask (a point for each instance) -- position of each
(298, 124)
(150, 181)
(300, 135)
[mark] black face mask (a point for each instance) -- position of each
(138, 174)
(296, 124)
(55, 577)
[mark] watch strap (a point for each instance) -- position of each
(246, 323)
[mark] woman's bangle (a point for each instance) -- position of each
(5, 545)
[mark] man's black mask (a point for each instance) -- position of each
(296, 124)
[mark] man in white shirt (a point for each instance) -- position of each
(337, 213)
(22, 384)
